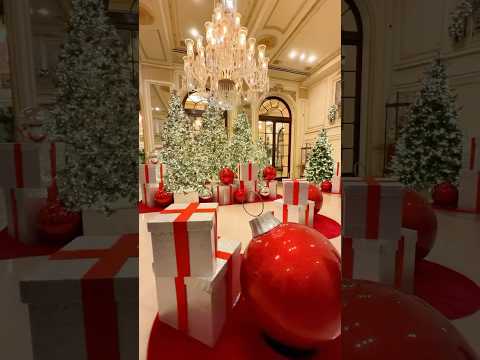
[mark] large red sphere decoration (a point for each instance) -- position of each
(240, 196)
(418, 215)
(163, 198)
(326, 186)
(381, 323)
(269, 173)
(445, 195)
(315, 195)
(226, 176)
(291, 279)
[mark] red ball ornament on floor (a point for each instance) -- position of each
(326, 186)
(162, 197)
(226, 176)
(445, 195)
(291, 280)
(379, 322)
(240, 196)
(269, 173)
(56, 224)
(315, 195)
(418, 215)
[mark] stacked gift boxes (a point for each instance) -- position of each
(224, 194)
(374, 245)
(295, 206)
(197, 279)
(247, 180)
(27, 171)
(150, 176)
(469, 179)
(83, 300)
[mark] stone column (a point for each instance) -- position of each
(22, 69)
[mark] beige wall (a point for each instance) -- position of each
(398, 45)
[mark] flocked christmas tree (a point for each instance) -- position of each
(96, 113)
(178, 151)
(429, 148)
(320, 161)
(212, 144)
(241, 143)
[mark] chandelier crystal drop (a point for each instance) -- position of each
(228, 66)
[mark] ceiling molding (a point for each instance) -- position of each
(292, 18)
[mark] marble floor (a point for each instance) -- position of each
(457, 247)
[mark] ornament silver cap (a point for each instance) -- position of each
(263, 224)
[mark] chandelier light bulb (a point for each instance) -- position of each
(189, 44)
(238, 18)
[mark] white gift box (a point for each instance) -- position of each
(83, 300)
(248, 172)
(337, 181)
(295, 192)
(184, 239)
(181, 197)
(301, 214)
(30, 165)
(469, 191)
(224, 194)
(148, 194)
(372, 208)
(384, 261)
(151, 173)
(23, 206)
(471, 153)
(250, 188)
(199, 306)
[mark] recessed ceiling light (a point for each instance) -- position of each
(43, 11)
(194, 32)
(302, 57)
(312, 58)
(157, 109)
(293, 54)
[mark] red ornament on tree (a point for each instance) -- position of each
(226, 176)
(56, 224)
(381, 323)
(445, 195)
(240, 196)
(162, 198)
(291, 279)
(315, 195)
(418, 215)
(326, 186)
(269, 173)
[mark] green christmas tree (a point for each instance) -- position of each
(241, 143)
(320, 161)
(96, 113)
(260, 156)
(178, 151)
(212, 144)
(429, 149)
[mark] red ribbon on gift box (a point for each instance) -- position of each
(285, 214)
(18, 163)
(98, 294)
(373, 208)
(296, 191)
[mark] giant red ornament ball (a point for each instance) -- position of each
(418, 215)
(291, 280)
(162, 197)
(379, 322)
(226, 176)
(315, 195)
(445, 195)
(269, 173)
(240, 196)
(326, 186)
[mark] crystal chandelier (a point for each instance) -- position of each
(227, 67)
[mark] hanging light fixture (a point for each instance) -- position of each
(227, 66)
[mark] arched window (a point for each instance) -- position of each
(352, 51)
(274, 128)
